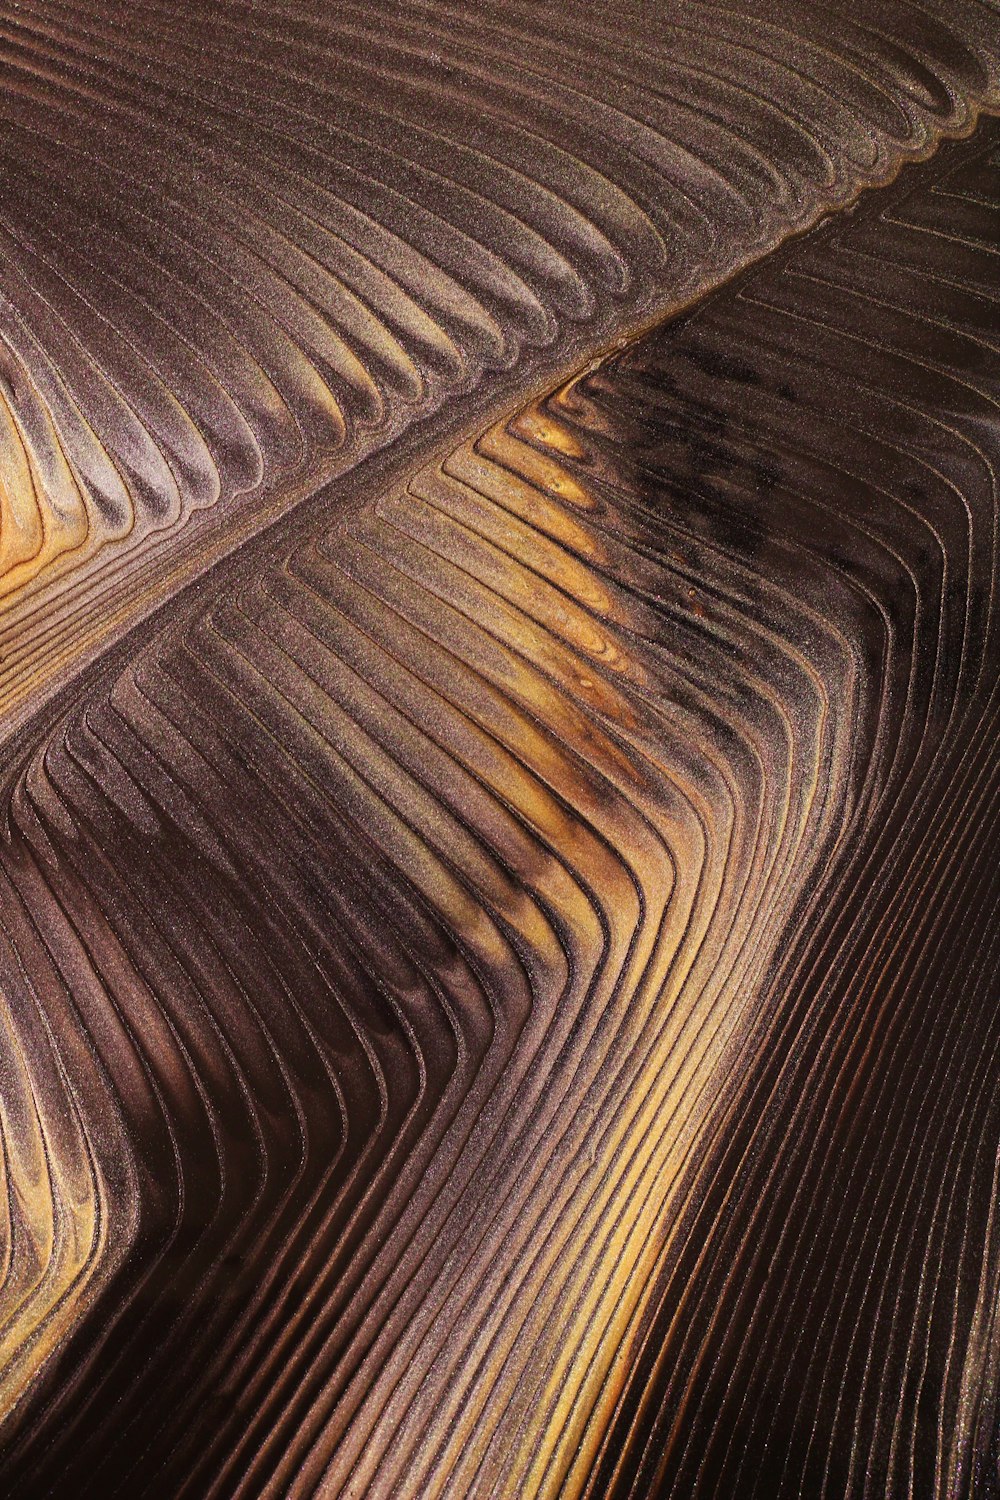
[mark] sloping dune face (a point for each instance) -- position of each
(500, 791)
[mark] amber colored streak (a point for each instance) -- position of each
(68, 1191)
(476, 674)
(245, 245)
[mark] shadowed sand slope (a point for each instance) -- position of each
(502, 973)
